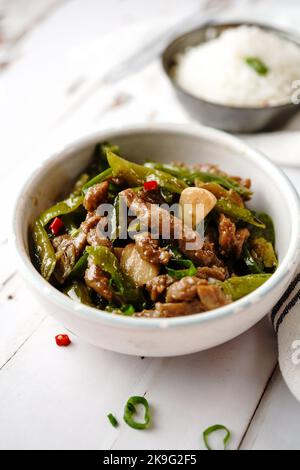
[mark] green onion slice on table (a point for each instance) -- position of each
(113, 421)
(211, 429)
(130, 411)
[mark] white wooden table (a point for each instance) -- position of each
(53, 57)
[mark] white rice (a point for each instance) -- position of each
(216, 70)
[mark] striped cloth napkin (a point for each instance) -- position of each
(285, 318)
(283, 148)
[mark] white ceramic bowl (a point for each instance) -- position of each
(273, 193)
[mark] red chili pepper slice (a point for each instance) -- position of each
(150, 185)
(56, 225)
(62, 340)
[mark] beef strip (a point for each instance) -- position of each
(98, 280)
(90, 222)
(68, 248)
(96, 235)
(150, 250)
(212, 296)
(168, 310)
(94, 238)
(154, 196)
(189, 240)
(160, 218)
(184, 290)
(158, 285)
(207, 255)
(231, 240)
(214, 272)
(95, 195)
(65, 257)
(234, 197)
(57, 241)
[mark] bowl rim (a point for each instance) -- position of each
(290, 36)
(284, 270)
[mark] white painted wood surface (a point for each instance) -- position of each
(54, 55)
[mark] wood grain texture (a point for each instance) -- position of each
(276, 425)
(81, 385)
(52, 93)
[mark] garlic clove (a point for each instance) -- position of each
(195, 204)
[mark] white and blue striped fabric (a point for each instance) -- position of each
(285, 317)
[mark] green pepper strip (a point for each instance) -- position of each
(136, 175)
(211, 429)
(180, 273)
(267, 232)
(254, 266)
(61, 208)
(79, 268)
(241, 213)
(130, 410)
(103, 176)
(239, 286)
(78, 291)
(128, 310)
(41, 240)
(44, 249)
(104, 258)
(190, 175)
(112, 420)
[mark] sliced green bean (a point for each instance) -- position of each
(190, 175)
(44, 250)
(240, 213)
(136, 175)
(239, 286)
(78, 291)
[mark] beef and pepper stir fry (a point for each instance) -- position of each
(128, 265)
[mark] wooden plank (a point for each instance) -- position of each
(38, 94)
(20, 316)
(276, 425)
(79, 385)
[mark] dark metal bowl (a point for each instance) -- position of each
(228, 118)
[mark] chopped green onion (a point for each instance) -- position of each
(257, 65)
(190, 270)
(97, 179)
(128, 309)
(112, 420)
(212, 429)
(79, 268)
(130, 410)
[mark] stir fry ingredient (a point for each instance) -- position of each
(130, 411)
(214, 428)
(62, 340)
(257, 64)
(154, 240)
(113, 421)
